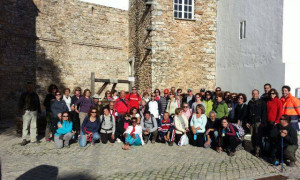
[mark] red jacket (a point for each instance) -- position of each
(134, 100)
(274, 110)
(121, 107)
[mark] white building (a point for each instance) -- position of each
(258, 43)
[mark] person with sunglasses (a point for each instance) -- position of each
(189, 98)
(134, 98)
(187, 112)
(50, 97)
(83, 105)
(157, 94)
(198, 101)
(64, 132)
(153, 106)
(240, 111)
(133, 135)
(274, 108)
(89, 128)
(57, 107)
(75, 115)
(164, 101)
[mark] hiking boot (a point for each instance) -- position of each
(118, 140)
(292, 164)
(146, 140)
(171, 144)
(231, 154)
(24, 142)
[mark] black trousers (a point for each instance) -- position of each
(199, 142)
(120, 127)
(230, 142)
(177, 138)
(153, 136)
(105, 137)
(76, 123)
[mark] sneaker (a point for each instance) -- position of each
(276, 163)
(292, 164)
(118, 140)
(24, 142)
(48, 140)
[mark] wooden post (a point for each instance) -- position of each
(93, 83)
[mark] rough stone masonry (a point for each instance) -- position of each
(63, 41)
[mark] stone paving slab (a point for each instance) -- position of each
(152, 161)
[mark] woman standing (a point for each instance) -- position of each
(83, 105)
(208, 103)
(74, 114)
(274, 108)
(198, 123)
(198, 101)
(64, 131)
(67, 98)
(181, 124)
(90, 128)
(108, 96)
(240, 111)
(220, 107)
(50, 98)
(172, 105)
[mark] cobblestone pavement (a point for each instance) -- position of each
(152, 161)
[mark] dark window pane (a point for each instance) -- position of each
(175, 14)
(190, 15)
(190, 8)
(180, 15)
(175, 1)
(186, 1)
(185, 15)
(180, 1)
(180, 8)
(190, 2)
(185, 8)
(175, 7)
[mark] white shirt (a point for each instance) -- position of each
(138, 131)
(153, 108)
(68, 101)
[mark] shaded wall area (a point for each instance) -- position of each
(59, 42)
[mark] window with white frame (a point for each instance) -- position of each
(243, 30)
(184, 9)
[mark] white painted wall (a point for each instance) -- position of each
(291, 40)
(245, 64)
(120, 4)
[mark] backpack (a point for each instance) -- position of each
(240, 131)
(103, 119)
(151, 118)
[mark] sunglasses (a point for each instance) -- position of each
(58, 94)
(152, 96)
(241, 98)
(185, 106)
(94, 112)
(218, 90)
(133, 121)
(273, 93)
(133, 89)
(65, 116)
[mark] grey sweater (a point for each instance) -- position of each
(148, 123)
(108, 125)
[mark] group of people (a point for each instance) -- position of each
(217, 120)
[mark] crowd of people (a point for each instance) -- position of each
(217, 120)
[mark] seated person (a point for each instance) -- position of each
(229, 140)
(198, 123)
(212, 130)
(108, 127)
(90, 128)
(288, 134)
(181, 124)
(166, 129)
(149, 125)
(64, 131)
(133, 135)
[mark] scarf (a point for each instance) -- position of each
(133, 130)
(90, 137)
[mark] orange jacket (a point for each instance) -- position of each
(291, 105)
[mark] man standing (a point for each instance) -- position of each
(121, 108)
(256, 120)
(267, 88)
(190, 98)
(134, 98)
(29, 107)
(291, 106)
(164, 101)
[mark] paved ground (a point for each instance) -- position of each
(158, 161)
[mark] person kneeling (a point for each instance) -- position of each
(285, 138)
(166, 130)
(90, 128)
(108, 126)
(149, 125)
(133, 135)
(64, 132)
(229, 139)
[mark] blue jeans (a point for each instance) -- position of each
(83, 141)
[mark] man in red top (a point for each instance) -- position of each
(134, 98)
(121, 108)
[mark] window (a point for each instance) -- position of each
(243, 30)
(184, 9)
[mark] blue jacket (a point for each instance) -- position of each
(58, 107)
(66, 128)
(90, 126)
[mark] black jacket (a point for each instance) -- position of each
(47, 101)
(184, 100)
(290, 139)
(240, 113)
(257, 111)
(30, 101)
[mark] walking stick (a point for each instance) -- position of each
(281, 154)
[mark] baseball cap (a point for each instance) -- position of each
(166, 91)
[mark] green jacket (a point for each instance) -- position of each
(209, 106)
(221, 109)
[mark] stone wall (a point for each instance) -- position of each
(183, 51)
(61, 42)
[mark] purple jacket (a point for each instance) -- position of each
(84, 104)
